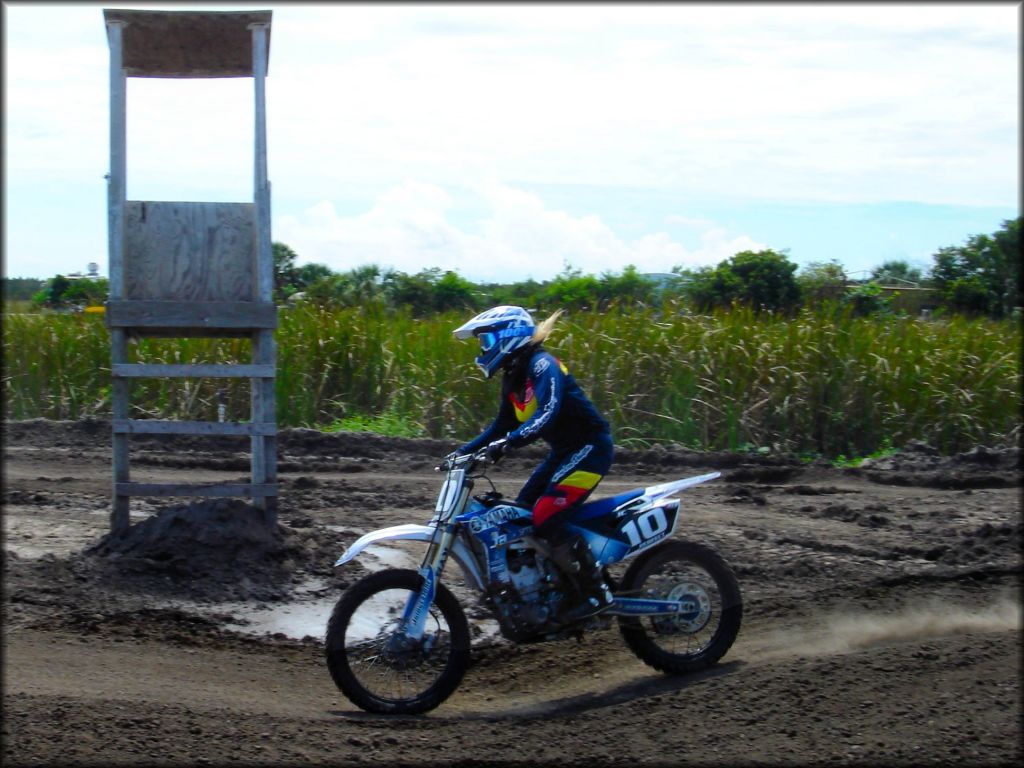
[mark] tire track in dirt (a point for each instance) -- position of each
(881, 621)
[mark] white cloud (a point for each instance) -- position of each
(691, 222)
(409, 228)
(772, 103)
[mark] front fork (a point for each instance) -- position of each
(414, 618)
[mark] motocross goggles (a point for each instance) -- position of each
(489, 339)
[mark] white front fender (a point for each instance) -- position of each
(413, 532)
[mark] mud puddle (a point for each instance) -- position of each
(305, 614)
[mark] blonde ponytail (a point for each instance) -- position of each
(544, 329)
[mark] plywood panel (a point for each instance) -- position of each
(169, 315)
(163, 427)
(192, 489)
(199, 370)
(186, 251)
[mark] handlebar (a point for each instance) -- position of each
(467, 460)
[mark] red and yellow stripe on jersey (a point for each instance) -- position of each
(526, 407)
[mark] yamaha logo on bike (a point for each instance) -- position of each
(495, 517)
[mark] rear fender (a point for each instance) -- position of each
(655, 492)
(413, 532)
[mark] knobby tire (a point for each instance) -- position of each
(347, 681)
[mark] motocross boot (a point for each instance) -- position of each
(576, 560)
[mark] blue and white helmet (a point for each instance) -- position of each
(501, 331)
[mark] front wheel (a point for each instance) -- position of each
(375, 665)
(701, 634)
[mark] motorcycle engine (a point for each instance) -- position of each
(535, 592)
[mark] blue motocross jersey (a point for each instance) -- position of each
(548, 404)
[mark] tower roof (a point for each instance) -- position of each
(188, 43)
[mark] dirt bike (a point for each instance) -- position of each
(398, 641)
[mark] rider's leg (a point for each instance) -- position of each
(573, 480)
(575, 558)
(539, 481)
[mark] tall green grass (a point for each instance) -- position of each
(55, 366)
(821, 382)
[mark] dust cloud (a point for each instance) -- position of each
(844, 632)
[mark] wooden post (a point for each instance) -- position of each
(116, 195)
(264, 411)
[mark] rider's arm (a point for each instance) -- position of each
(548, 389)
(503, 422)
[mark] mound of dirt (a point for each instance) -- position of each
(217, 549)
(922, 465)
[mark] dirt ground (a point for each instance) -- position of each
(882, 619)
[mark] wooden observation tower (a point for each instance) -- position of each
(188, 269)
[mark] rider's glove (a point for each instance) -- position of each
(496, 450)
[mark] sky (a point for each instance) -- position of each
(515, 141)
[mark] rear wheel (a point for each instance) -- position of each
(703, 632)
(375, 665)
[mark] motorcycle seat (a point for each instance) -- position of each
(602, 507)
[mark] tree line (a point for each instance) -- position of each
(981, 277)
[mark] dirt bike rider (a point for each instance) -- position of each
(541, 399)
